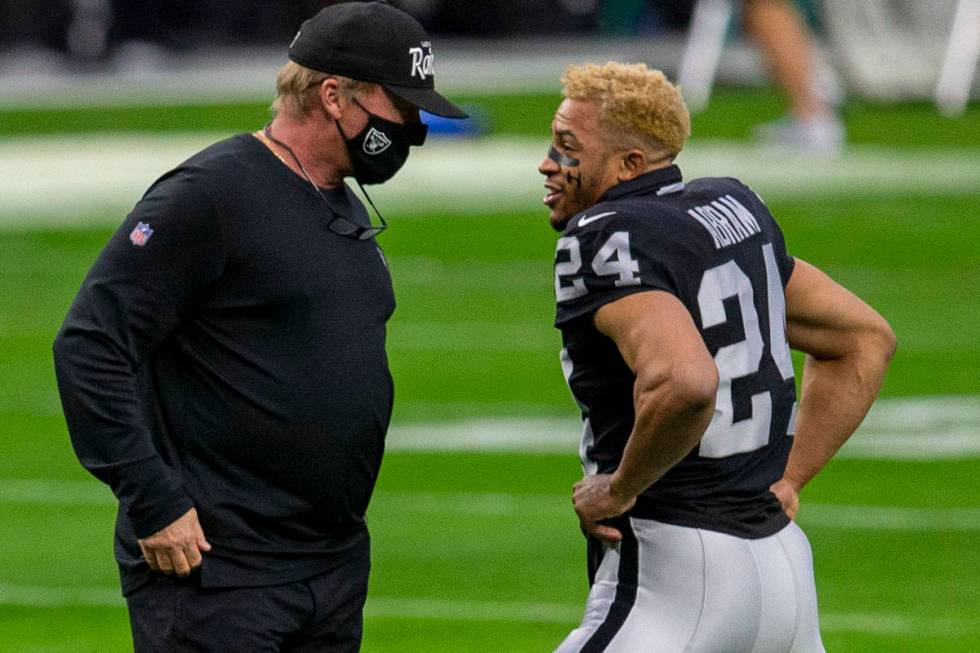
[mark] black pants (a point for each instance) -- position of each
(322, 614)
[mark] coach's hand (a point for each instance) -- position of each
(788, 496)
(176, 548)
(594, 500)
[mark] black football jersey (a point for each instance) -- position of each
(714, 245)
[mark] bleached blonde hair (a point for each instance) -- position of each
(635, 103)
(296, 88)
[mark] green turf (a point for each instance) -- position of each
(732, 114)
(515, 557)
(465, 282)
(468, 284)
(472, 337)
(64, 630)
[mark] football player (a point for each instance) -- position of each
(678, 305)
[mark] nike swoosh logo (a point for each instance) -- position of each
(592, 218)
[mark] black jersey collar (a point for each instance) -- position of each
(649, 182)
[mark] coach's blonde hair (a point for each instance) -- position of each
(296, 88)
(634, 102)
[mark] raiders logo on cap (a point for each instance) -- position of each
(369, 41)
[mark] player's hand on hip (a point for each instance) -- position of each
(594, 501)
(177, 548)
(788, 496)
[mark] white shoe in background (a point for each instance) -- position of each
(819, 136)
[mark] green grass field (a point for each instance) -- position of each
(480, 551)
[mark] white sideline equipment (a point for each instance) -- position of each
(901, 49)
(886, 49)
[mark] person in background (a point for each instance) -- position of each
(781, 35)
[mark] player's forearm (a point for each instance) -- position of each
(670, 420)
(836, 395)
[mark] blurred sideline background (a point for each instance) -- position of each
(475, 544)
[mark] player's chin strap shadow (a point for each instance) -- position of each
(565, 162)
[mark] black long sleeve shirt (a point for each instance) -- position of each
(227, 352)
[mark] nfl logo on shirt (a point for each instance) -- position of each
(140, 234)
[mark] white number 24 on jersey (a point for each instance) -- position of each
(612, 258)
(724, 436)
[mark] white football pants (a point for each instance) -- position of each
(672, 589)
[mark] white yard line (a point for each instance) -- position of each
(889, 518)
(50, 492)
(211, 75)
(66, 180)
(498, 504)
(482, 611)
(53, 597)
(913, 428)
(917, 428)
(476, 65)
(851, 517)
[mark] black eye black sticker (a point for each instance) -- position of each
(561, 159)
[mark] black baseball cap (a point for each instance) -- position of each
(373, 42)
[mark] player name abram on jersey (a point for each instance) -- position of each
(727, 220)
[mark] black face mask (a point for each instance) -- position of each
(381, 148)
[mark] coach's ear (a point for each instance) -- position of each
(330, 97)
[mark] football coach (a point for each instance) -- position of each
(223, 366)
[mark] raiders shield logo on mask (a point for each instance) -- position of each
(375, 142)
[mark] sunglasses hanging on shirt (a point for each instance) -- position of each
(338, 224)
